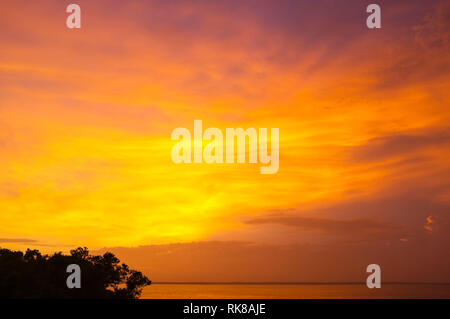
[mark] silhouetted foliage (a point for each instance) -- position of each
(33, 275)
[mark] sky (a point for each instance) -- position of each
(86, 117)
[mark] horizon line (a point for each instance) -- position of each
(287, 283)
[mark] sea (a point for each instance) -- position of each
(293, 291)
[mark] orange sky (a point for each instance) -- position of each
(86, 117)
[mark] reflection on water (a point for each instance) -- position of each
(293, 291)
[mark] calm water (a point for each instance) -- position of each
(293, 291)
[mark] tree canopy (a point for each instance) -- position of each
(33, 275)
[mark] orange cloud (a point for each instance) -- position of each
(429, 223)
(86, 118)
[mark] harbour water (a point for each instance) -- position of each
(293, 291)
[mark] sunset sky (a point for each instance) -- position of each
(86, 117)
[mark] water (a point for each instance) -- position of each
(293, 291)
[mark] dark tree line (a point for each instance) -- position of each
(33, 275)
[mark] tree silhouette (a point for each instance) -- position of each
(33, 275)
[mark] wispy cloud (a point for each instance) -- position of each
(326, 224)
(401, 144)
(18, 240)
